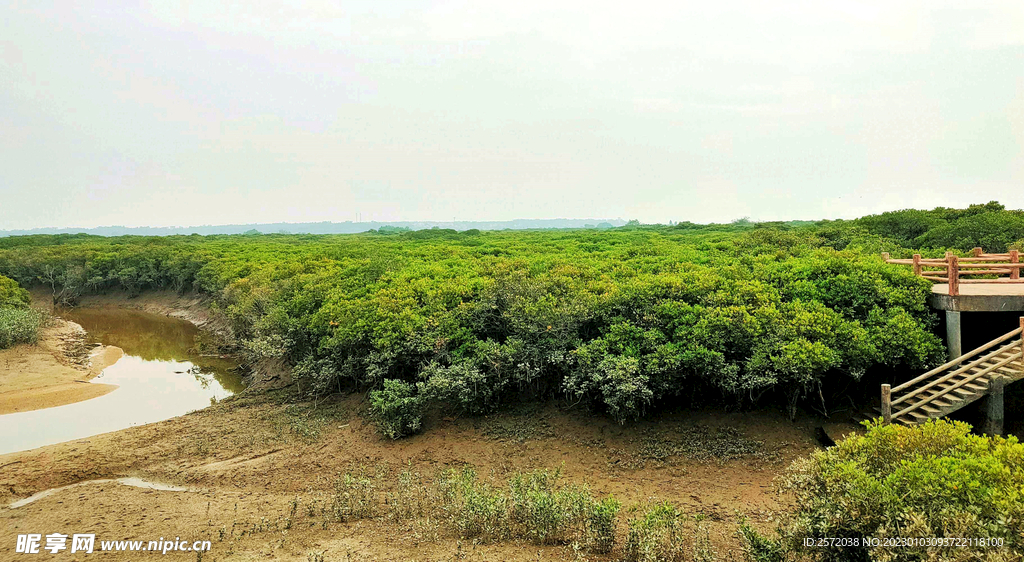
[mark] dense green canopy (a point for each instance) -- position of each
(622, 318)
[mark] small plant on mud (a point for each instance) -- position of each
(396, 409)
(315, 556)
(549, 514)
(288, 521)
(473, 508)
(408, 498)
(305, 424)
(600, 535)
(535, 507)
(656, 536)
(757, 547)
(355, 497)
(703, 551)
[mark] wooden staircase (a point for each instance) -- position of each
(949, 387)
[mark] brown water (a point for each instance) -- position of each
(160, 376)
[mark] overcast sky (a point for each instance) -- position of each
(184, 113)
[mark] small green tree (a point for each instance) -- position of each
(12, 295)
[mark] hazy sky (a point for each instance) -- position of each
(183, 113)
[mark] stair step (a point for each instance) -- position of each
(931, 394)
(935, 407)
(1005, 369)
(944, 401)
(974, 388)
(964, 391)
(968, 389)
(982, 380)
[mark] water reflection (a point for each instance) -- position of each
(154, 338)
(159, 377)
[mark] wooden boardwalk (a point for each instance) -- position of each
(983, 289)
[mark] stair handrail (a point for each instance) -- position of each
(958, 360)
(971, 378)
(952, 374)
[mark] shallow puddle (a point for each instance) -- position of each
(159, 377)
(132, 481)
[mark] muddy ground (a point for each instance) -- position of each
(53, 372)
(256, 467)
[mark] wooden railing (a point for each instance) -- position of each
(954, 270)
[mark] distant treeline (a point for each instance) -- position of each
(326, 227)
(623, 319)
(990, 226)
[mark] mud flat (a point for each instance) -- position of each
(260, 469)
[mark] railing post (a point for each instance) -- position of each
(1022, 341)
(1014, 258)
(977, 252)
(1022, 337)
(917, 264)
(953, 275)
(887, 403)
(885, 256)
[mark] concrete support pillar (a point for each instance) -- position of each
(953, 334)
(994, 414)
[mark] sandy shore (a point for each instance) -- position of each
(53, 372)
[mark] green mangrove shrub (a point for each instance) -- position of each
(18, 322)
(396, 409)
(11, 294)
(19, 325)
(910, 494)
